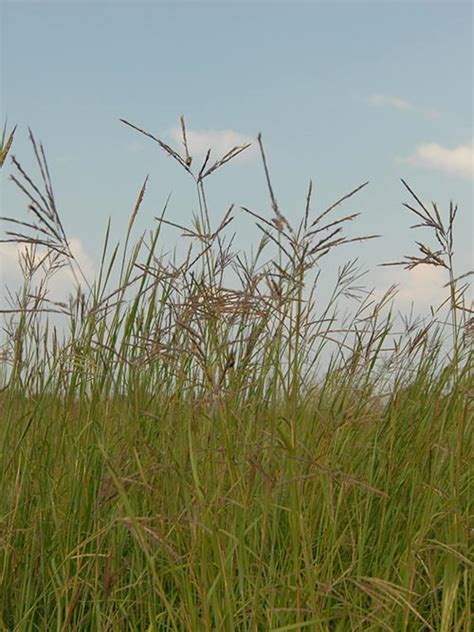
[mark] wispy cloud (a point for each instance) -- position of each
(219, 141)
(457, 160)
(136, 146)
(383, 100)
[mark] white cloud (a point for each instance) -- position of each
(422, 286)
(397, 103)
(60, 285)
(458, 160)
(219, 141)
(83, 258)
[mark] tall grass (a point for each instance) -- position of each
(205, 445)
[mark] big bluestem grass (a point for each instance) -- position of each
(204, 444)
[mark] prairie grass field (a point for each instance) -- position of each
(206, 444)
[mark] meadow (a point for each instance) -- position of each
(204, 444)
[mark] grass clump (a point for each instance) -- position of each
(204, 445)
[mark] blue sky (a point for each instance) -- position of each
(342, 92)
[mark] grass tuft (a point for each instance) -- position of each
(205, 444)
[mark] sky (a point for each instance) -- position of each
(342, 92)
